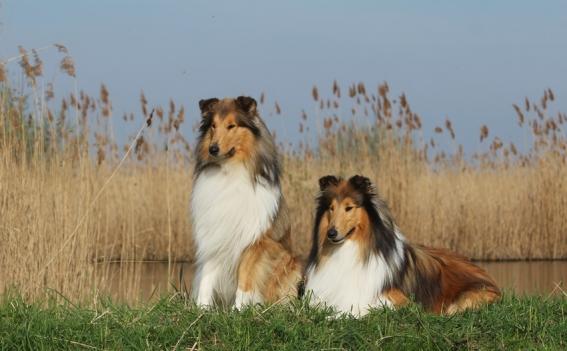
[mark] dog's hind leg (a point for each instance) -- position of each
(471, 300)
(250, 277)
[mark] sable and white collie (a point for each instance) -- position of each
(240, 222)
(359, 258)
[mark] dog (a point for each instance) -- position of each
(241, 227)
(360, 260)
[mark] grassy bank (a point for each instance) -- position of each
(514, 323)
(71, 194)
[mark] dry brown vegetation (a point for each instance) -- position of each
(72, 198)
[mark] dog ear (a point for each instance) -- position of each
(362, 184)
(207, 104)
(246, 104)
(326, 181)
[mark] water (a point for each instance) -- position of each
(528, 277)
(143, 281)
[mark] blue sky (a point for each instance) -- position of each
(469, 62)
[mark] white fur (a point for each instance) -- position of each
(349, 284)
(246, 298)
(230, 212)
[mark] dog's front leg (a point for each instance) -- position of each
(244, 298)
(206, 279)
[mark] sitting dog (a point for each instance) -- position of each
(240, 222)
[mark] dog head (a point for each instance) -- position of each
(228, 129)
(342, 206)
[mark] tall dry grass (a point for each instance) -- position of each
(72, 199)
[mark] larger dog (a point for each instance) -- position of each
(359, 258)
(240, 223)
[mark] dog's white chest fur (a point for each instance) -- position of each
(229, 213)
(348, 284)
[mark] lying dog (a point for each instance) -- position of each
(359, 259)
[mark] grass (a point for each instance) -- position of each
(65, 204)
(173, 324)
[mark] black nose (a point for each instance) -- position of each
(214, 149)
(332, 233)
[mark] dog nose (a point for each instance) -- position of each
(214, 149)
(332, 233)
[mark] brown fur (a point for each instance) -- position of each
(396, 297)
(462, 283)
(268, 266)
(450, 283)
(269, 269)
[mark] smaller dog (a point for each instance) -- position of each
(359, 258)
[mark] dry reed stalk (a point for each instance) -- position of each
(2, 72)
(97, 196)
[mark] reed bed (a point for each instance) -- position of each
(73, 197)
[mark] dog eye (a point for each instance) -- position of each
(331, 208)
(348, 208)
(231, 126)
(213, 126)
